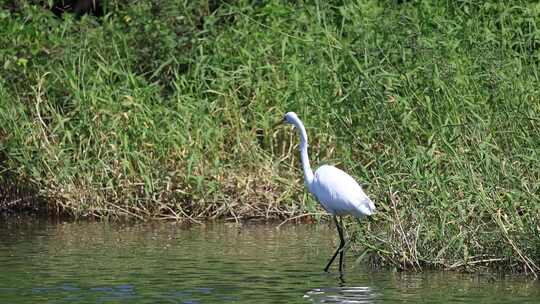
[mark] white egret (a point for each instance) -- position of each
(337, 192)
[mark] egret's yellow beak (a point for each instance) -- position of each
(279, 123)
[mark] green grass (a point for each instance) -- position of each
(165, 111)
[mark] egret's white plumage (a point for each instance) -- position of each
(337, 192)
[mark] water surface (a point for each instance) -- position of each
(42, 261)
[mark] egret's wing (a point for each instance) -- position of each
(339, 193)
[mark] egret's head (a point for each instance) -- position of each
(290, 118)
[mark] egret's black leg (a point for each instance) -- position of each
(342, 282)
(339, 250)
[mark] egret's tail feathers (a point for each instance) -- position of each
(371, 205)
(366, 208)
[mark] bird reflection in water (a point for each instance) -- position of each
(341, 295)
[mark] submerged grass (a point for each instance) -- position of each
(164, 110)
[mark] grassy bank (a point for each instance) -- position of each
(164, 110)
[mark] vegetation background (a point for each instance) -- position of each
(163, 109)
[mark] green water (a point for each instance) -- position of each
(44, 262)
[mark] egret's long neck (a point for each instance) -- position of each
(308, 173)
